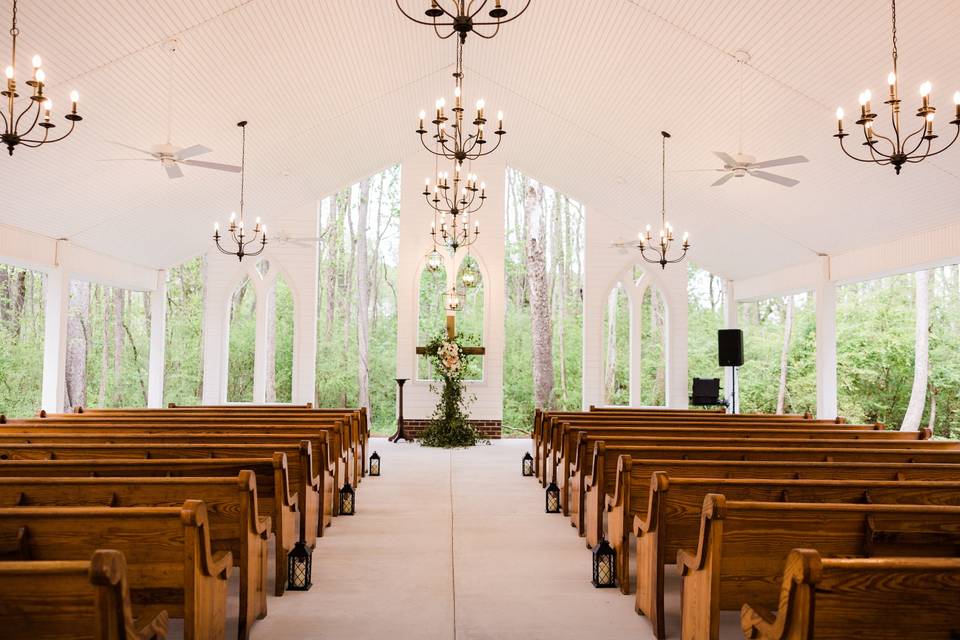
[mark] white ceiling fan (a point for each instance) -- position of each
(739, 164)
(168, 155)
(284, 238)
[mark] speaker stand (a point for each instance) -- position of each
(733, 394)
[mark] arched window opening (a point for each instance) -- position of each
(653, 342)
(705, 300)
(183, 367)
(279, 350)
(616, 352)
(21, 340)
(432, 316)
(243, 332)
(470, 318)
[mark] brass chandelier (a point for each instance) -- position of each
(38, 104)
(657, 251)
(898, 149)
(238, 236)
(453, 202)
(448, 17)
(456, 143)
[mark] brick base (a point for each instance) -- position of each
(489, 429)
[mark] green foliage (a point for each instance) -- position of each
(704, 318)
(242, 343)
(449, 425)
(283, 343)
(183, 366)
(21, 341)
(616, 361)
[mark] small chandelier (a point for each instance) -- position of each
(12, 135)
(898, 150)
(457, 144)
(448, 17)
(656, 251)
(434, 260)
(458, 201)
(469, 276)
(454, 299)
(235, 228)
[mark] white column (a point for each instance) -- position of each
(260, 348)
(158, 340)
(678, 383)
(826, 301)
(56, 308)
(730, 322)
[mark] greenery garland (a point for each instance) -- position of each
(449, 425)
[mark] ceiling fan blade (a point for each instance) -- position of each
(694, 170)
(127, 160)
(190, 152)
(232, 168)
(772, 177)
(726, 157)
(722, 180)
(127, 146)
(779, 162)
(173, 171)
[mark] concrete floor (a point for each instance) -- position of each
(455, 545)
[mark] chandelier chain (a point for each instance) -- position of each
(243, 164)
(663, 182)
(893, 11)
(14, 31)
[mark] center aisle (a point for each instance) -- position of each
(451, 544)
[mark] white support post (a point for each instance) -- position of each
(826, 310)
(260, 347)
(56, 308)
(731, 392)
(158, 341)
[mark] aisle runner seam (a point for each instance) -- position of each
(453, 566)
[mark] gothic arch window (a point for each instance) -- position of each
(242, 341)
(470, 318)
(431, 314)
(279, 387)
(617, 348)
(653, 335)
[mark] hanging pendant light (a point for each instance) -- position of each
(39, 106)
(658, 251)
(239, 238)
(899, 148)
(448, 17)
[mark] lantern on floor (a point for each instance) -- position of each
(375, 464)
(299, 568)
(347, 500)
(604, 566)
(528, 464)
(553, 498)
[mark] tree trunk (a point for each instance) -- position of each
(363, 298)
(76, 364)
(921, 355)
(932, 420)
(610, 371)
(539, 300)
(270, 390)
(118, 347)
(105, 350)
(785, 355)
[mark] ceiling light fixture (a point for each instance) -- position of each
(12, 135)
(448, 17)
(898, 149)
(655, 251)
(458, 200)
(235, 228)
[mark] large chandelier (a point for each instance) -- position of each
(39, 104)
(899, 148)
(453, 203)
(239, 239)
(448, 17)
(657, 251)
(456, 143)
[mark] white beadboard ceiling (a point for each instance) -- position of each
(332, 88)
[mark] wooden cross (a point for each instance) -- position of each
(451, 333)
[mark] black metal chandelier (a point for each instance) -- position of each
(241, 239)
(38, 103)
(448, 17)
(453, 203)
(657, 251)
(456, 143)
(899, 148)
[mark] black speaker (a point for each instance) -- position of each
(730, 347)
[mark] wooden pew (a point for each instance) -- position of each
(274, 495)
(110, 435)
(670, 518)
(80, 599)
(170, 563)
(231, 503)
(881, 598)
(601, 482)
(743, 546)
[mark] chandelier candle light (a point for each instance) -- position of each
(448, 17)
(38, 103)
(235, 228)
(898, 149)
(458, 200)
(656, 251)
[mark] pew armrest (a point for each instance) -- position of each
(156, 629)
(221, 564)
(688, 561)
(640, 526)
(757, 622)
(263, 527)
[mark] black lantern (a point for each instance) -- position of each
(347, 502)
(604, 566)
(553, 498)
(375, 464)
(300, 566)
(528, 464)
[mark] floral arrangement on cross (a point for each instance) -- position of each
(449, 425)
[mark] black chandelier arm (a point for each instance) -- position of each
(486, 37)
(875, 154)
(433, 23)
(893, 146)
(850, 155)
(36, 118)
(913, 159)
(946, 146)
(6, 125)
(73, 123)
(921, 130)
(499, 22)
(437, 31)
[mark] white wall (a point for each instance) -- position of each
(415, 243)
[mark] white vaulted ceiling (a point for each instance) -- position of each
(331, 89)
